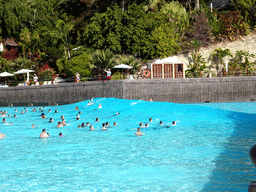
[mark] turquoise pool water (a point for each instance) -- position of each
(206, 151)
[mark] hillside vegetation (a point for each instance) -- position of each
(69, 36)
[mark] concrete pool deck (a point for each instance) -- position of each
(188, 90)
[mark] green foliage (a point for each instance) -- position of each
(162, 42)
(129, 60)
(46, 72)
(218, 56)
(241, 61)
(196, 65)
(178, 13)
(16, 15)
(62, 32)
(80, 64)
(103, 59)
(233, 25)
(105, 30)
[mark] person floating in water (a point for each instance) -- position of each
(150, 120)
(44, 134)
(100, 106)
(60, 135)
(97, 119)
(117, 114)
(77, 109)
(138, 133)
(91, 128)
(51, 120)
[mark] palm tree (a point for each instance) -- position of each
(62, 32)
(129, 60)
(103, 59)
(218, 56)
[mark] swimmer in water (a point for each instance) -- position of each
(103, 127)
(2, 136)
(87, 124)
(100, 106)
(146, 125)
(107, 124)
(150, 120)
(60, 135)
(79, 126)
(22, 112)
(34, 109)
(80, 112)
(59, 124)
(16, 110)
(141, 125)
(138, 133)
(3, 115)
(114, 124)
(56, 111)
(91, 128)
(4, 120)
(161, 123)
(62, 117)
(117, 114)
(83, 125)
(64, 122)
(9, 116)
(33, 126)
(49, 110)
(97, 119)
(51, 120)
(44, 134)
(15, 115)
(26, 111)
(77, 109)
(43, 116)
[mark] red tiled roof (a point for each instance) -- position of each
(11, 42)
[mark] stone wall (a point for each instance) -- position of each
(247, 43)
(229, 89)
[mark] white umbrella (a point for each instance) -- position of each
(25, 71)
(5, 74)
(1, 47)
(123, 66)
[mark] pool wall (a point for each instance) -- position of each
(196, 90)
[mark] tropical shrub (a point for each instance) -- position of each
(10, 55)
(45, 72)
(80, 64)
(233, 25)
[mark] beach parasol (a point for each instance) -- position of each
(22, 71)
(123, 66)
(1, 47)
(6, 74)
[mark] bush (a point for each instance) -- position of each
(46, 72)
(233, 25)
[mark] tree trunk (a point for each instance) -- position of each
(197, 4)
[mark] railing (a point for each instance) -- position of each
(202, 74)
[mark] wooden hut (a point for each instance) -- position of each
(167, 68)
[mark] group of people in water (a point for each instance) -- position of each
(63, 123)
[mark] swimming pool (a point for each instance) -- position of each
(206, 151)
